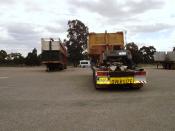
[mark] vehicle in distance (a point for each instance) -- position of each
(111, 63)
(85, 63)
(166, 59)
(54, 54)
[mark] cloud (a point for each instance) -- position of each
(150, 28)
(113, 8)
(20, 37)
(24, 22)
(58, 26)
(22, 31)
(2, 2)
(32, 6)
(56, 29)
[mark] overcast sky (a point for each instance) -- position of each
(147, 22)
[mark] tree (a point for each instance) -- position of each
(32, 58)
(173, 48)
(147, 54)
(133, 48)
(15, 59)
(77, 40)
(3, 55)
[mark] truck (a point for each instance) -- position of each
(53, 54)
(111, 64)
(166, 59)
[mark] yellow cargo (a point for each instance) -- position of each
(97, 42)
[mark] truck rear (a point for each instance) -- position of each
(54, 54)
(111, 64)
(166, 59)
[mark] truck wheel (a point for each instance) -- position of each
(65, 66)
(164, 66)
(169, 66)
(137, 86)
(94, 81)
(49, 68)
(60, 67)
(98, 87)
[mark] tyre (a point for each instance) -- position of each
(98, 87)
(94, 81)
(65, 66)
(137, 86)
(49, 68)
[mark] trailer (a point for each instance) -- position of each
(111, 63)
(166, 59)
(54, 54)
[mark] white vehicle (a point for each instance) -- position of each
(85, 63)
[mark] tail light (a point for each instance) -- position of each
(101, 73)
(140, 73)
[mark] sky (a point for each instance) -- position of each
(146, 22)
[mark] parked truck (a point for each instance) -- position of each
(166, 59)
(54, 54)
(111, 63)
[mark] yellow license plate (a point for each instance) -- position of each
(103, 79)
(122, 80)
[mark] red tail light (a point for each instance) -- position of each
(140, 73)
(100, 73)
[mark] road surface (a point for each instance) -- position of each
(34, 100)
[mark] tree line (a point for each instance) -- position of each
(32, 59)
(76, 43)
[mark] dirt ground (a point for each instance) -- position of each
(34, 100)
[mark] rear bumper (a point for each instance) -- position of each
(109, 82)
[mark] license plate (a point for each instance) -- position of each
(122, 80)
(103, 79)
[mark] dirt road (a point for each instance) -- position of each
(32, 99)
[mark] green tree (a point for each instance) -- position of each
(77, 40)
(133, 48)
(147, 54)
(3, 55)
(32, 58)
(15, 59)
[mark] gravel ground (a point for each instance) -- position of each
(34, 100)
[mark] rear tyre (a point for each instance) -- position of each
(49, 68)
(137, 86)
(65, 66)
(97, 87)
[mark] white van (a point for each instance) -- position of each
(85, 63)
